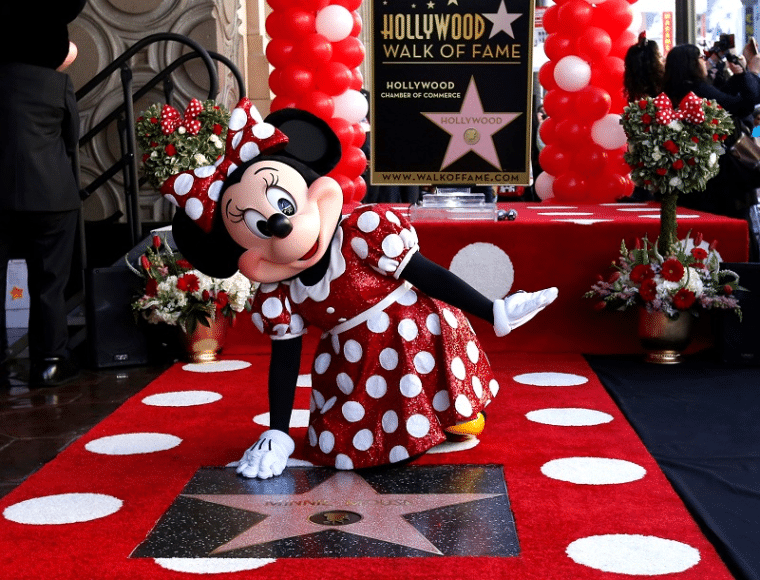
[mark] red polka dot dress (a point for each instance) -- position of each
(394, 366)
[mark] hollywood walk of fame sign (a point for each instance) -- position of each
(451, 91)
(414, 511)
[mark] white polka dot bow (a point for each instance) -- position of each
(197, 191)
(690, 109)
(171, 120)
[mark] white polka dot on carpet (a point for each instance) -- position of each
(182, 399)
(66, 508)
(299, 418)
(549, 379)
(133, 443)
(593, 470)
(569, 417)
(212, 565)
(220, 366)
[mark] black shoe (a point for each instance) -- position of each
(51, 372)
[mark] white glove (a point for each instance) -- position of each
(519, 308)
(268, 456)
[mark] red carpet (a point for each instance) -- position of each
(589, 502)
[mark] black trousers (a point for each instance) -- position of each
(46, 241)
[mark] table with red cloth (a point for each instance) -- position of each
(567, 247)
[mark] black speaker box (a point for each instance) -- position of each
(739, 341)
(113, 336)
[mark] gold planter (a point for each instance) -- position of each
(205, 342)
(663, 338)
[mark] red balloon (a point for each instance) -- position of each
(349, 51)
(275, 82)
(343, 129)
(547, 130)
(276, 24)
(590, 159)
(346, 184)
(594, 43)
(558, 46)
(313, 51)
(352, 163)
(608, 72)
(546, 75)
(357, 80)
(280, 4)
(359, 135)
(360, 189)
(622, 43)
(592, 103)
(570, 134)
(550, 20)
(554, 159)
(299, 23)
(569, 186)
(350, 5)
(311, 5)
(279, 52)
(607, 187)
(614, 16)
(616, 162)
(619, 101)
(317, 102)
(282, 102)
(559, 104)
(574, 17)
(357, 29)
(296, 80)
(334, 78)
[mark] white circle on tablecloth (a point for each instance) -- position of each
(133, 443)
(633, 554)
(65, 508)
(220, 366)
(299, 418)
(212, 565)
(569, 417)
(485, 267)
(593, 470)
(182, 399)
(550, 379)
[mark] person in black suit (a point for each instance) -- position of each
(39, 187)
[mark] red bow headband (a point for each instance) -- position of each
(197, 191)
(171, 120)
(690, 109)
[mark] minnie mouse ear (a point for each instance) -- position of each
(310, 139)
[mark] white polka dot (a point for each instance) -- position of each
(441, 401)
(133, 444)
(398, 453)
(345, 384)
(262, 130)
(212, 565)
(214, 190)
(258, 321)
(343, 462)
(368, 221)
(388, 359)
(312, 434)
(485, 267)
(424, 362)
(450, 319)
(66, 508)
(593, 470)
(248, 151)
(376, 386)
(407, 328)
(477, 387)
(493, 386)
(463, 406)
(219, 366)
(205, 171)
(352, 350)
(329, 403)
(271, 308)
(473, 353)
(457, 367)
(326, 442)
(335, 342)
(418, 426)
(317, 399)
(298, 418)
(390, 422)
(330, 310)
(551, 379)
(410, 386)
(360, 248)
(433, 323)
(393, 218)
(183, 184)
(182, 399)
(379, 323)
(569, 417)
(363, 440)
(353, 411)
(393, 246)
(171, 199)
(408, 299)
(321, 363)
(633, 554)
(238, 119)
(193, 208)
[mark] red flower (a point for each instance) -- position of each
(156, 242)
(205, 295)
(170, 149)
(217, 129)
(670, 146)
(648, 290)
(661, 171)
(151, 287)
(715, 121)
(188, 283)
(614, 277)
(641, 272)
(154, 120)
(683, 299)
(145, 262)
(153, 144)
(672, 270)
(184, 264)
(643, 104)
(715, 137)
(145, 157)
(691, 161)
(699, 254)
(678, 164)
(600, 305)
(646, 118)
(727, 290)
(222, 299)
(698, 237)
(695, 139)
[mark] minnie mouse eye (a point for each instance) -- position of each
(257, 223)
(282, 201)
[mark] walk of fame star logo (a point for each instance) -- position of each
(415, 511)
(471, 128)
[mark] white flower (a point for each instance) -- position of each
(200, 159)
(693, 281)
(675, 181)
(676, 125)
(181, 130)
(712, 160)
(656, 155)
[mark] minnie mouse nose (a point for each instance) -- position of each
(279, 225)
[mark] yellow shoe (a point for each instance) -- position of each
(474, 427)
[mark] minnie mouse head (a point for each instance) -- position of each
(266, 208)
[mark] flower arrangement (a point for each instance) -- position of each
(172, 142)
(178, 295)
(689, 279)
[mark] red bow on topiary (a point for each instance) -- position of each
(171, 120)
(690, 109)
(197, 191)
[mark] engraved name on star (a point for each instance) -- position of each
(338, 500)
(471, 129)
(502, 21)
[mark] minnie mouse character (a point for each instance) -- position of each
(398, 364)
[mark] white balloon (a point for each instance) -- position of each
(572, 73)
(544, 186)
(607, 132)
(334, 22)
(351, 106)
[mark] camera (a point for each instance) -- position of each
(722, 48)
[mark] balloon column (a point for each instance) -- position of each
(315, 52)
(583, 157)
